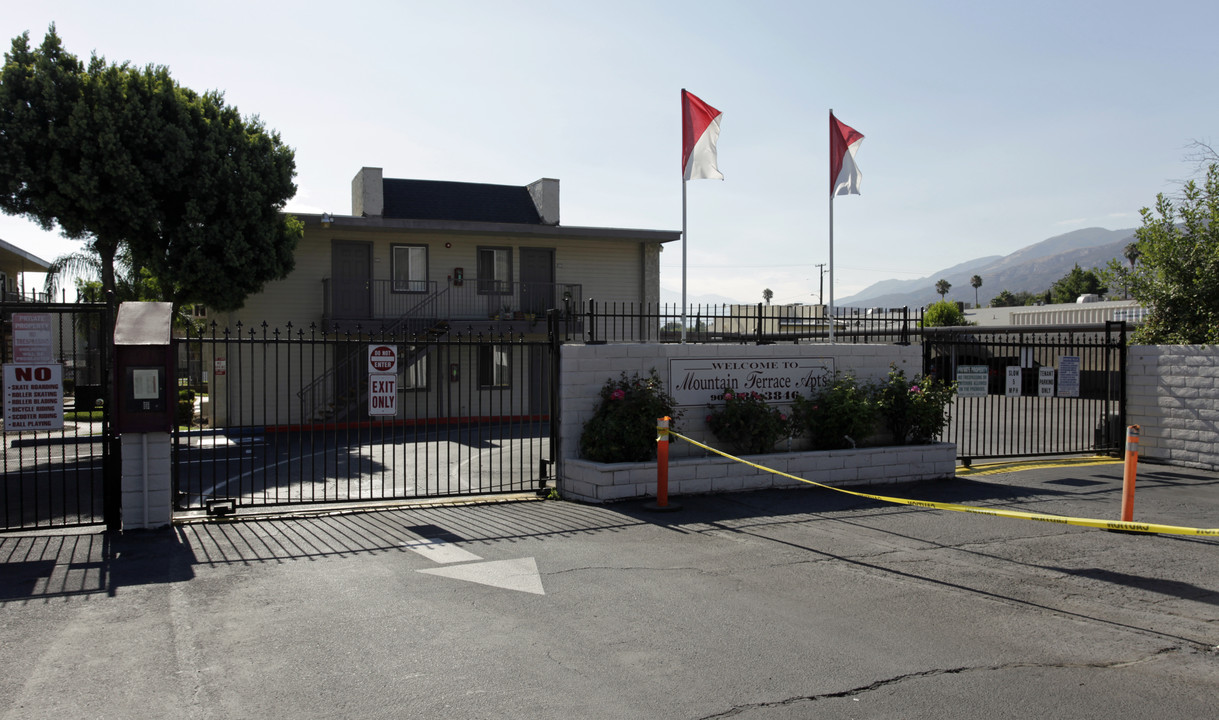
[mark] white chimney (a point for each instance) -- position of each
(545, 194)
(367, 193)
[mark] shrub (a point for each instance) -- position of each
(915, 411)
(748, 423)
(186, 407)
(623, 427)
(944, 313)
(840, 415)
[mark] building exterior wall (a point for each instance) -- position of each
(608, 270)
(1064, 314)
(1173, 395)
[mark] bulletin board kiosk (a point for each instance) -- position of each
(145, 399)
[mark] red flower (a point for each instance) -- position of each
(618, 394)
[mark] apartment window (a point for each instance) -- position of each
(410, 268)
(493, 366)
(494, 271)
(414, 370)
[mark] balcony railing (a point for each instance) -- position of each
(384, 304)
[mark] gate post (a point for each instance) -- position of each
(144, 411)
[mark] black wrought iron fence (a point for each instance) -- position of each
(57, 469)
(1032, 390)
(758, 324)
(301, 415)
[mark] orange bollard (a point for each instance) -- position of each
(662, 468)
(1132, 466)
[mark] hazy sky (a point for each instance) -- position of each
(989, 126)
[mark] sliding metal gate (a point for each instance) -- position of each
(283, 416)
(57, 478)
(1029, 391)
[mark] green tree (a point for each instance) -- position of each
(943, 314)
(1007, 298)
(942, 287)
(975, 282)
(1004, 299)
(767, 294)
(124, 158)
(1075, 283)
(1176, 277)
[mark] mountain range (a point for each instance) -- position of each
(1031, 269)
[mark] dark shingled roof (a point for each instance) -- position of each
(470, 202)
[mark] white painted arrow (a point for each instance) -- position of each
(519, 575)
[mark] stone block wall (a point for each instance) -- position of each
(1172, 393)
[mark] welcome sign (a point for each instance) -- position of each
(702, 381)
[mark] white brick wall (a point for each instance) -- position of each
(1172, 393)
(595, 482)
(585, 368)
(160, 491)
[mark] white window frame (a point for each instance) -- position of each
(415, 258)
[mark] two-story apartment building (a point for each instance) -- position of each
(442, 259)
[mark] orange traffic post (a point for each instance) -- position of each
(662, 468)
(1132, 466)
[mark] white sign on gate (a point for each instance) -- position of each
(32, 338)
(1068, 376)
(383, 359)
(382, 380)
(382, 394)
(972, 380)
(33, 397)
(1013, 381)
(1045, 381)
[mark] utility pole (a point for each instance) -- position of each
(821, 290)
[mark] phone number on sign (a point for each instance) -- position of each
(770, 395)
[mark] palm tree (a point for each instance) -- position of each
(1132, 254)
(942, 287)
(976, 282)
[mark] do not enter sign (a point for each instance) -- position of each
(382, 359)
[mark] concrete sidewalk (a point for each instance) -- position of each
(776, 604)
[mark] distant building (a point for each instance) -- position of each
(13, 262)
(1077, 313)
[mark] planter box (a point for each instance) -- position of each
(593, 482)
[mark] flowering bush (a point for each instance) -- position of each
(623, 427)
(748, 423)
(840, 415)
(915, 411)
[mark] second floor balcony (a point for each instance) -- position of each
(375, 305)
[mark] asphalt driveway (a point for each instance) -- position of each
(767, 605)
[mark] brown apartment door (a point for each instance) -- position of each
(351, 269)
(537, 280)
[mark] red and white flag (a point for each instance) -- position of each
(700, 129)
(844, 173)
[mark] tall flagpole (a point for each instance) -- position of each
(683, 258)
(831, 307)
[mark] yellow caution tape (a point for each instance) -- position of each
(1042, 517)
(999, 468)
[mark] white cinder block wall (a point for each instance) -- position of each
(583, 370)
(1172, 393)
